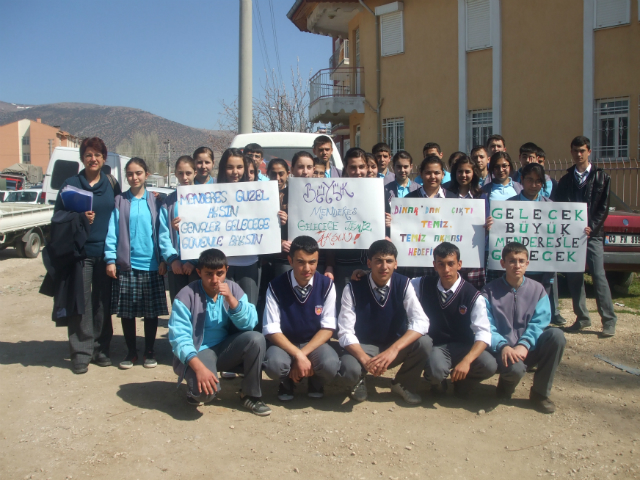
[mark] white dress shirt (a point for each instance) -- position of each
(439, 194)
(582, 177)
(271, 322)
(480, 325)
(417, 319)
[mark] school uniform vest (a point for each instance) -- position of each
(300, 321)
(380, 324)
(450, 321)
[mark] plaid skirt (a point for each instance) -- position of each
(138, 294)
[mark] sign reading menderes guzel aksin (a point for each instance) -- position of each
(237, 218)
(418, 225)
(552, 232)
(340, 213)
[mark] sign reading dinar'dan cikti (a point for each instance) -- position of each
(554, 234)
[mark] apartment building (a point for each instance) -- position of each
(31, 141)
(456, 71)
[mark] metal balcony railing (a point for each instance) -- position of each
(322, 86)
(340, 56)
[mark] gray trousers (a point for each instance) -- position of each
(324, 361)
(444, 357)
(546, 355)
(244, 349)
(412, 358)
(248, 278)
(595, 261)
(92, 332)
(178, 282)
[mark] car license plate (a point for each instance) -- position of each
(623, 240)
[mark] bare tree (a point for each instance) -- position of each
(145, 146)
(280, 108)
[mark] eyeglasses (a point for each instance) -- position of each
(501, 166)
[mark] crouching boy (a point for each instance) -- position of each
(210, 330)
(382, 325)
(519, 311)
(299, 320)
(458, 325)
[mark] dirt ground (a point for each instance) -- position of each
(137, 425)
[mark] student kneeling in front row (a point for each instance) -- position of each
(210, 330)
(458, 325)
(299, 320)
(381, 325)
(519, 311)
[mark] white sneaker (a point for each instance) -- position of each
(409, 397)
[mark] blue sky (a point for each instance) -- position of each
(177, 59)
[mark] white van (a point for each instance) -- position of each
(284, 145)
(65, 162)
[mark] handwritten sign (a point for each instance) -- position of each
(552, 232)
(418, 225)
(345, 213)
(237, 218)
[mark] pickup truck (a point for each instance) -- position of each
(25, 227)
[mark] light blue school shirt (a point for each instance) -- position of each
(211, 180)
(262, 178)
(502, 192)
(446, 178)
(403, 191)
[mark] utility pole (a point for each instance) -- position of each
(245, 83)
(168, 144)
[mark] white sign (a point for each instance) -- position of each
(418, 225)
(237, 218)
(552, 232)
(346, 213)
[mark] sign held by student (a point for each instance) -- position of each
(340, 213)
(237, 218)
(418, 225)
(552, 232)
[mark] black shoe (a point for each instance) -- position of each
(150, 360)
(129, 361)
(439, 389)
(80, 369)
(359, 390)
(609, 330)
(505, 390)
(577, 326)
(285, 390)
(315, 391)
(540, 403)
(101, 359)
(256, 406)
(558, 320)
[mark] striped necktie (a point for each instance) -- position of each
(382, 293)
(445, 295)
(302, 292)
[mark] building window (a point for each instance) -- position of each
(479, 127)
(357, 40)
(391, 34)
(26, 158)
(612, 124)
(26, 140)
(357, 137)
(393, 133)
(611, 13)
(478, 15)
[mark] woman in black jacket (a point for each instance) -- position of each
(90, 334)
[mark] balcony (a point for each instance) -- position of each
(334, 100)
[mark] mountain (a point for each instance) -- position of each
(115, 124)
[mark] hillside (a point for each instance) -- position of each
(114, 124)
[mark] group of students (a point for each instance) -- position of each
(214, 312)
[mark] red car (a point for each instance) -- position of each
(621, 244)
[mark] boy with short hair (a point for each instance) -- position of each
(519, 312)
(458, 325)
(323, 149)
(299, 320)
(382, 152)
(202, 317)
(480, 155)
(586, 183)
(531, 153)
(319, 168)
(429, 149)
(495, 143)
(256, 154)
(382, 325)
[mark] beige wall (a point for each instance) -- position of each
(617, 69)
(542, 44)
(40, 135)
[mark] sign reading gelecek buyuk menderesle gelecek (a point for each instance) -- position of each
(418, 225)
(340, 213)
(237, 218)
(552, 232)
